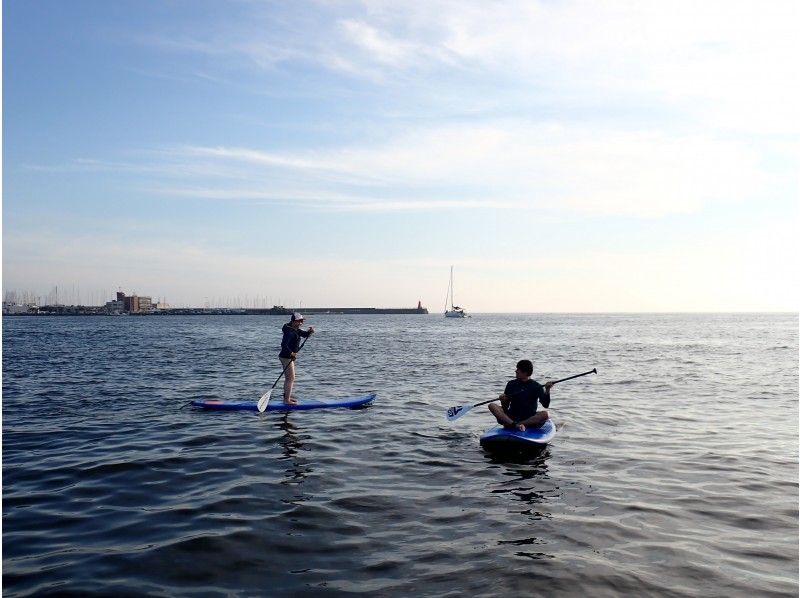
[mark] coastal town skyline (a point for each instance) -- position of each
(561, 157)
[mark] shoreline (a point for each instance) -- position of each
(222, 311)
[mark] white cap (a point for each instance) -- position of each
(297, 316)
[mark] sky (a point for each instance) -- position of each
(571, 156)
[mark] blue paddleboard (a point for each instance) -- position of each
(500, 438)
(277, 404)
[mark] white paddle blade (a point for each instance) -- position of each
(455, 412)
(262, 402)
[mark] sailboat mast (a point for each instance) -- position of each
(447, 296)
(452, 289)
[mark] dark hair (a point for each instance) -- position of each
(526, 366)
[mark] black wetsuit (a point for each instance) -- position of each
(524, 398)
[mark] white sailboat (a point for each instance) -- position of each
(455, 311)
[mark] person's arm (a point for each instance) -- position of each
(285, 348)
(505, 399)
(305, 333)
(544, 398)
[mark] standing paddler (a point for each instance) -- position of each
(290, 345)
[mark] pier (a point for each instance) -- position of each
(81, 310)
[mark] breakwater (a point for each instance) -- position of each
(79, 310)
(286, 311)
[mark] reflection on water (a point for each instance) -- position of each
(536, 457)
(292, 442)
(526, 479)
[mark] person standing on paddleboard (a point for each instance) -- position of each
(519, 401)
(290, 345)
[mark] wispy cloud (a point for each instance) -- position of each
(730, 63)
(546, 167)
(551, 167)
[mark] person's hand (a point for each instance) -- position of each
(503, 398)
(311, 330)
(293, 356)
(548, 385)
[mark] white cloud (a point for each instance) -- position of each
(724, 64)
(601, 40)
(380, 46)
(736, 55)
(719, 64)
(581, 170)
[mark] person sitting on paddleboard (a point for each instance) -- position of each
(518, 403)
(290, 345)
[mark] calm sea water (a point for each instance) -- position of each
(674, 472)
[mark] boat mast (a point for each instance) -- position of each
(447, 296)
(452, 289)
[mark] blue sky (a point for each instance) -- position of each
(562, 156)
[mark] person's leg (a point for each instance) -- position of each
(288, 380)
(500, 415)
(537, 421)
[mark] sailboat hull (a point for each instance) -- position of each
(454, 314)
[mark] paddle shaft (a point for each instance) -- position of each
(594, 371)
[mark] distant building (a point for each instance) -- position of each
(133, 304)
(13, 308)
(115, 307)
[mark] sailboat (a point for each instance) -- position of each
(455, 311)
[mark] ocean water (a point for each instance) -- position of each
(674, 471)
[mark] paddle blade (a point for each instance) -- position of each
(262, 402)
(455, 412)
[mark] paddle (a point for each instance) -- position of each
(455, 412)
(262, 402)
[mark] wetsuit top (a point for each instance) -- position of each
(291, 340)
(524, 397)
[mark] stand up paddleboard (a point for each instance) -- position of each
(498, 438)
(277, 404)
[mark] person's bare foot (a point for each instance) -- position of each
(521, 427)
(290, 401)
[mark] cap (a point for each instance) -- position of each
(297, 316)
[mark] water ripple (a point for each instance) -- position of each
(674, 472)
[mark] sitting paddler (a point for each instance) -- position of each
(290, 345)
(519, 402)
